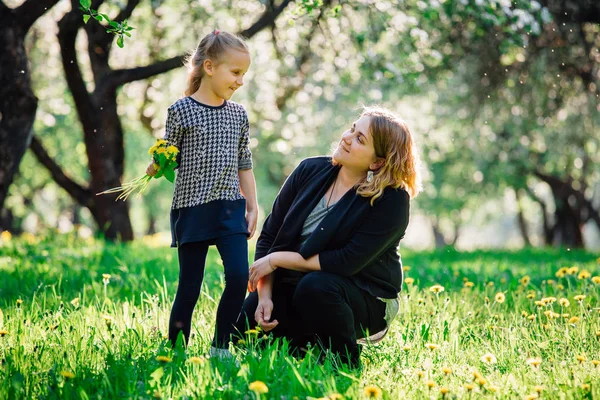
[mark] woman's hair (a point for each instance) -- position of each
(212, 47)
(394, 143)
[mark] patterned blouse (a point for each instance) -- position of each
(214, 144)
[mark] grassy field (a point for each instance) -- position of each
(474, 325)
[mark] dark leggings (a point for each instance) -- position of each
(192, 258)
(322, 308)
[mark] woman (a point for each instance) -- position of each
(327, 269)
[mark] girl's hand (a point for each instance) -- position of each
(151, 170)
(251, 218)
(259, 268)
(262, 315)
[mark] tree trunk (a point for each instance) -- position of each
(17, 101)
(523, 228)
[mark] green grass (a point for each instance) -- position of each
(67, 334)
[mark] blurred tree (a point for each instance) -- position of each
(18, 104)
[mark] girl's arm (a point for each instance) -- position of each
(248, 188)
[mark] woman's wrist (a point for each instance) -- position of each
(273, 267)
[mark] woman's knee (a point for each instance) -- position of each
(316, 288)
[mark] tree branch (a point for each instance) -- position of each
(122, 76)
(78, 192)
(29, 12)
(264, 20)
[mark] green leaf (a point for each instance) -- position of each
(98, 18)
(159, 174)
(113, 23)
(85, 3)
(120, 41)
(170, 175)
(106, 17)
(86, 18)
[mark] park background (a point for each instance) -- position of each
(502, 98)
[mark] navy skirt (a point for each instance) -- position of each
(208, 221)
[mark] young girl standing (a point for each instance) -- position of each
(215, 193)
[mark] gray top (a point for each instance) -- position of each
(214, 145)
(314, 218)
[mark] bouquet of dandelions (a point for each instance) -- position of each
(164, 157)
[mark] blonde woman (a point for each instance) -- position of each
(327, 269)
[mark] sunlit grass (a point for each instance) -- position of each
(87, 319)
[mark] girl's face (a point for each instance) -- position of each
(355, 150)
(228, 74)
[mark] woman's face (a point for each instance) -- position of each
(356, 150)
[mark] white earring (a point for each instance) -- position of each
(369, 176)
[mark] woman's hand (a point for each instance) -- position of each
(259, 268)
(262, 315)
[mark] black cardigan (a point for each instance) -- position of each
(354, 239)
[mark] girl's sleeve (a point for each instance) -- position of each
(281, 206)
(174, 132)
(244, 153)
(385, 224)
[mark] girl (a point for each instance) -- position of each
(215, 193)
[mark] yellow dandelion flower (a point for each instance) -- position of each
(560, 287)
(573, 320)
(550, 282)
(406, 268)
(598, 334)
(596, 280)
(409, 281)
(195, 360)
(579, 298)
(444, 391)
(493, 389)
(584, 274)
(172, 150)
(241, 342)
(75, 302)
(490, 284)
(562, 272)
(161, 142)
(477, 375)
(5, 236)
(525, 280)
(500, 297)
(530, 296)
(581, 358)
(548, 300)
(481, 381)
(258, 387)
(469, 284)
(564, 302)
(446, 370)
(469, 386)
(486, 300)
(538, 389)
(19, 302)
(432, 346)
(372, 392)
(3, 332)
(489, 358)
(573, 270)
(163, 359)
(252, 332)
(106, 276)
(539, 303)
(585, 386)
(524, 314)
(534, 361)
(420, 374)
(531, 396)
(335, 396)
(420, 301)
(565, 315)
(436, 289)
(107, 319)
(430, 384)
(596, 363)
(531, 317)
(67, 374)
(406, 347)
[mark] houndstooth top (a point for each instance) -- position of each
(214, 144)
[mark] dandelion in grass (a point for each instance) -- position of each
(195, 360)
(538, 389)
(490, 284)
(562, 272)
(564, 302)
(573, 320)
(476, 375)
(581, 358)
(596, 280)
(469, 387)
(531, 317)
(164, 157)
(420, 374)
(489, 358)
(3, 332)
(596, 363)
(585, 386)
(579, 298)
(163, 359)
(75, 302)
(525, 280)
(252, 332)
(584, 274)
(531, 396)
(432, 346)
(258, 387)
(108, 320)
(447, 371)
(406, 268)
(444, 392)
(548, 300)
(573, 270)
(493, 389)
(500, 297)
(430, 384)
(409, 281)
(469, 284)
(481, 382)
(406, 347)
(335, 396)
(436, 289)
(67, 374)
(106, 279)
(534, 362)
(531, 295)
(5, 236)
(372, 392)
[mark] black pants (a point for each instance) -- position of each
(192, 258)
(324, 307)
